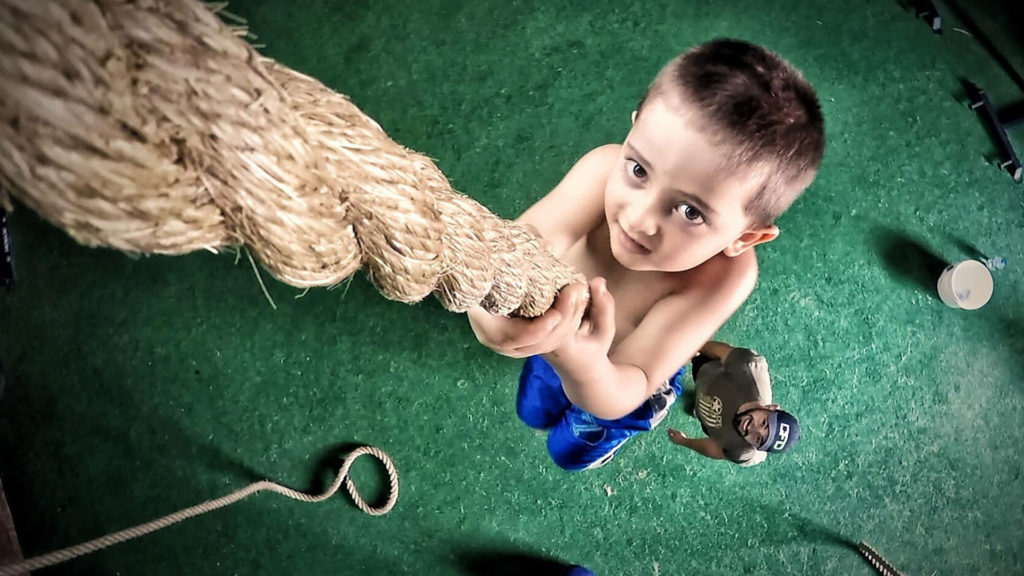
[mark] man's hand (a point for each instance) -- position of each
(522, 337)
(677, 437)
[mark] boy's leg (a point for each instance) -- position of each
(581, 442)
(540, 402)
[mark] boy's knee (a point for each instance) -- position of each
(578, 450)
(567, 462)
(535, 416)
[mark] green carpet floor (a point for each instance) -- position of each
(140, 386)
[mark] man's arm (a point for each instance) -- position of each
(703, 446)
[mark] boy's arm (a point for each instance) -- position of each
(560, 218)
(703, 446)
(612, 384)
(576, 205)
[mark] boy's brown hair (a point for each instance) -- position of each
(760, 111)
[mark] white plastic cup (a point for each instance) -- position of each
(966, 285)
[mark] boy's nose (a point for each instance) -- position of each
(641, 218)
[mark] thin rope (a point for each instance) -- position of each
(71, 552)
(880, 564)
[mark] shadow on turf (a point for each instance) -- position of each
(909, 259)
(508, 562)
(512, 562)
(815, 533)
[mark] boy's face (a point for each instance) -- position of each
(669, 204)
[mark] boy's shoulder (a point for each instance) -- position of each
(600, 161)
(576, 205)
(727, 280)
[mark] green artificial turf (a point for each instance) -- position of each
(140, 386)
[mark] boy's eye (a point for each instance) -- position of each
(636, 169)
(690, 213)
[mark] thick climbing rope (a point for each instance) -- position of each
(71, 552)
(150, 126)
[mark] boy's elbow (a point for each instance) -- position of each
(625, 389)
(612, 408)
(611, 411)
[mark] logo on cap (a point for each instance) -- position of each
(783, 432)
(783, 437)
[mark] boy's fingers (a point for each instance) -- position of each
(523, 332)
(566, 312)
(520, 337)
(505, 335)
(552, 318)
(602, 309)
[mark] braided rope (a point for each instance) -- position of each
(150, 126)
(91, 546)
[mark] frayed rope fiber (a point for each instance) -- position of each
(151, 126)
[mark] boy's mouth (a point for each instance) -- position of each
(631, 245)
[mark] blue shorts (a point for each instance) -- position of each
(578, 440)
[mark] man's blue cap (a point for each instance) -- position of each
(783, 432)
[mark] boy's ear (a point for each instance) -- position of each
(751, 238)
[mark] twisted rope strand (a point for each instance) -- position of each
(342, 477)
(155, 128)
(881, 565)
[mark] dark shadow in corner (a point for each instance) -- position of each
(1013, 15)
(908, 259)
(508, 562)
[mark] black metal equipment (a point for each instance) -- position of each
(926, 10)
(6, 256)
(999, 121)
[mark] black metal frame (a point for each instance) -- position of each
(926, 9)
(998, 122)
